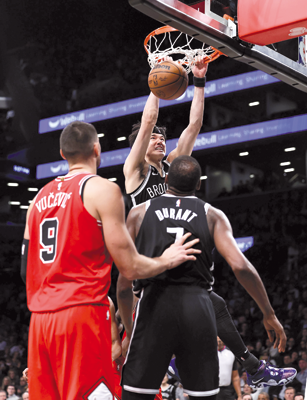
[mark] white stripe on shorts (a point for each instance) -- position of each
(140, 390)
(201, 394)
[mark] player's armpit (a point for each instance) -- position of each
(135, 219)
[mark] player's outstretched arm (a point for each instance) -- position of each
(136, 158)
(246, 274)
(104, 201)
(187, 138)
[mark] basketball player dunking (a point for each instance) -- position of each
(145, 170)
(75, 227)
(175, 314)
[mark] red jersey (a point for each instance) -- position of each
(68, 262)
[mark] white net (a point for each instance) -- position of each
(181, 47)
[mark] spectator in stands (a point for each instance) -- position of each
(263, 396)
(289, 393)
(21, 387)
(302, 375)
(17, 348)
(301, 347)
(11, 393)
(13, 377)
(287, 362)
(247, 389)
(168, 391)
(247, 397)
(294, 359)
(290, 346)
(5, 383)
(25, 396)
(3, 395)
(243, 380)
(299, 396)
(2, 342)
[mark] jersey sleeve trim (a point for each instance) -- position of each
(141, 187)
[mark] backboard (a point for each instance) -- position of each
(199, 21)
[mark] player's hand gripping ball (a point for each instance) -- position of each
(168, 80)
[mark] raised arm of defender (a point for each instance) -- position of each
(245, 272)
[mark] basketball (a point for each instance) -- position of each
(168, 80)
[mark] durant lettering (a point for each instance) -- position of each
(172, 213)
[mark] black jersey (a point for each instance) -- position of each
(152, 186)
(167, 218)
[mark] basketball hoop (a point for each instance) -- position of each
(177, 43)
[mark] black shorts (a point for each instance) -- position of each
(171, 320)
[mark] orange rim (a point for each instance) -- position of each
(165, 29)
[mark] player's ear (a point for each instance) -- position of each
(198, 185)
(97, 149)
(62, 155)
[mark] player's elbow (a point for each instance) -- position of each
(129, 273)
(196, 123)
(124, 293)
(238, 266)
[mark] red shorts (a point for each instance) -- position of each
(70, 354)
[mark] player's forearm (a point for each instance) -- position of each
(197, 108)
(237, 387)
(252, 283)
(187, 138)
(143, 267)
(116, 349)
(125, 305)
(151, 110)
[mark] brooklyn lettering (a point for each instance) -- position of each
(173, 213)
(58, 200)
(156, 190)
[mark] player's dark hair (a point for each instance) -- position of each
(77, 140)
(184, 174)
(136, 128)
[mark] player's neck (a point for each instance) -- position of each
(175, 192)
(81, 168)
(157, 163)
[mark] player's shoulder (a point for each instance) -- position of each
(214, 212)
(102, 189)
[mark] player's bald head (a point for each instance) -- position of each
(77, 140)
(184, 174)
